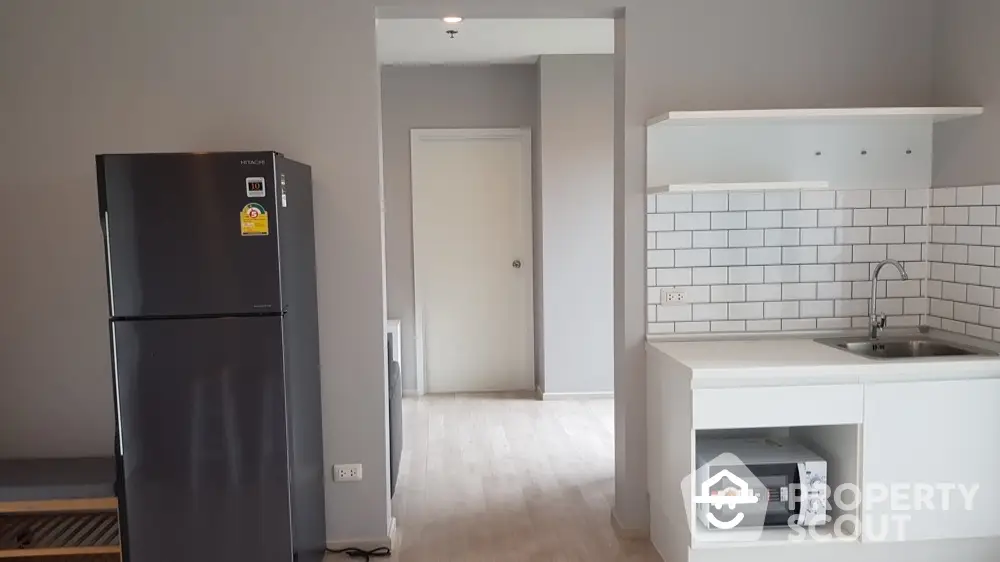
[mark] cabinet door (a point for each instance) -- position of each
(931, 441)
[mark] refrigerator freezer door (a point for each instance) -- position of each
(201, 410)
(190, 234)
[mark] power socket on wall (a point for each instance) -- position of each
(672, 297)
(346, 472)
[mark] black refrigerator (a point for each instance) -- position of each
(215, 352)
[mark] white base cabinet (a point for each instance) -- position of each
(938, 444)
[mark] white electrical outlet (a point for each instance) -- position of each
(672, 296)
(346, 472)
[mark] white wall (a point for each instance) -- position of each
(966, 72)
(429, 97)
(576, 189)
(112, 75)
(82, 78)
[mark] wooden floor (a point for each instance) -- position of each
(506, 478)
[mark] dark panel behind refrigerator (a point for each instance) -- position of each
(201, 407)
(172, 225)
(298, 280)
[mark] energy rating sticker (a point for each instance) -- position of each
(253, 220)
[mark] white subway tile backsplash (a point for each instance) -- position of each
(905, 252)
(780, 200)
(715, 311)
(953, 291)
(852, 271)
(982, 255)
(710, 275)
(891, 307)
(693, 221)
(856, 307)
(798, 291)
(650, 204)
(835, 218)
(673, 202)
(673, 276)
(746, 201)
(659, 328)
(910, 288)
(888, 235)
(871, 217)
(942, 271)
(799, 324)
(956, 215)
(853, 235)
(943, 234)
(651, 241)
(799, 219)
(966, 312)
(783, 309)
(888, 198)
(909, 216)
(869, 252)
(764, 219)
(978, 331)
(676, 313)
(659, 222)
(968, 274)
(934, 215)
(709, 238)
(730, 256)
(799, 254)
(781, 273)
(991, 195)
(969, 234)
(917, 234)
(983, 215)
(991, 235)
(729, 326)
(838, 290)
(692, 327)
(729, 293)
(729, 221)
(933, 252)
(918, 197)
(818, 200)
(969, 196)
(711, 202)
(833, 323)
(989, 317)
(698, 293)
(916, 305)
(835, 254)
(932, 288)
(765, 292)
(673, 240)
(763, 325)
(651, 277)
(746, 311)
(956, 253)
(660, 258)
(746, 275)
(953, 326)
(980, 295)
(817, 236)
(693, 258)
(816, 273)
(854, 199)
(942, 309)
(944, 196)
(763, 256)
(816, 309)
(863, 290)
(746, 238)
(989, 276)
(781, 237)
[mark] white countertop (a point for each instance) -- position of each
(784, 359)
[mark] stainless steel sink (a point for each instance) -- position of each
(903, 348)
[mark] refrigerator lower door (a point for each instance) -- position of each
(203, 442)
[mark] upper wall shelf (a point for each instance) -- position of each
(937, 114)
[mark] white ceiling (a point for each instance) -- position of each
(490, 41)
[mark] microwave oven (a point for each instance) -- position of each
(786, 478)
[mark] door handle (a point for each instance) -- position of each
(516, 264)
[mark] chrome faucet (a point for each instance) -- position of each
(876, 321)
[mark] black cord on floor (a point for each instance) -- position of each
(380, 552)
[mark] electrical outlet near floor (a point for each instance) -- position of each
(672, 296)
(346, 472)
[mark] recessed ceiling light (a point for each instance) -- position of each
(452, 19)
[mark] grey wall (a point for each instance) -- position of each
(576, 189)
(144, 77)
(967, 72)
(436, 97)
(113, 76)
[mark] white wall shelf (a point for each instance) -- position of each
(936, 114)
(753, 186)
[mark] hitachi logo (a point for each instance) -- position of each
(252, 162)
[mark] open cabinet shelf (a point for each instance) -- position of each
(936, 114)
(752, 186)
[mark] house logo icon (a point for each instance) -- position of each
(738, 493)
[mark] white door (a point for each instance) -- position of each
(472, 259)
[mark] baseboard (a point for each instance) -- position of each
(388, 541)
(627, 534)
(573, 395)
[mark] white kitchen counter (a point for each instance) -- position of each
(785, 360)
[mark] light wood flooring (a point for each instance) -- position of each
(507, 478)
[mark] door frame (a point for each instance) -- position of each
(523, 135)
